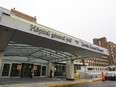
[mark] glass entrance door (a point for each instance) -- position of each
(37, 69)
(43, 70)
(6, 70)
(15, 70)
(26, 69)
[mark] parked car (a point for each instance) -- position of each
(111, 75)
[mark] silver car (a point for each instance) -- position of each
(111, 75)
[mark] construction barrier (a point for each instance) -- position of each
(103, 76)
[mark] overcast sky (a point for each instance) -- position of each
(84, 19)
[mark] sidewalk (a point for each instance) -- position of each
(41, 82)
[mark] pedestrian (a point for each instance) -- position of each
(51, 72)
(32, 72)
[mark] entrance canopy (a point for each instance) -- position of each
(21, 37)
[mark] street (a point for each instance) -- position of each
(97, 84)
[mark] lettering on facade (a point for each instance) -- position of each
(39, 30)
(76, 41)
(50, 34)
(68, 39)
(92, 47)
(61, 37)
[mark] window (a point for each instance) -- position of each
(99, 43)
(6, 69)
(78, 67)
(15, 70)
(89, 68)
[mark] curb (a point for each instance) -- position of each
(95, 80)
(69, 84)
(75, 83)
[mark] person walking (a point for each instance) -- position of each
(51, 72)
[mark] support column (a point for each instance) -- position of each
(70, 69)
(1, 60)
(51, 66)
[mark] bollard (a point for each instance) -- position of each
(76, 75)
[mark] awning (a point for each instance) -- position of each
(20, 37)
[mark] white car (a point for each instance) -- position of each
(111, 75)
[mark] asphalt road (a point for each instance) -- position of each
(97, 84)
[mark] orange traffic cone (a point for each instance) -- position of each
(103, 76)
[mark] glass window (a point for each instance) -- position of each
(6, 69)
(15, 70)
(78, 67)
(26, 70)
(56, 66)
(89, 68)
(63, 68)
(43, 70)
(37, 70)
(100, 43)
(60, 68)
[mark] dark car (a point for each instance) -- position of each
(111, 75)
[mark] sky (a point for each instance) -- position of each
(84, 19)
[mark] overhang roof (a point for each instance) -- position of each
(23, 38)
(14, 49)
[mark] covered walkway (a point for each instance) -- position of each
(21, 37)
(30, 38)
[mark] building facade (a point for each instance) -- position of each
(27, 48)
(112, 52)
(103, 60)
